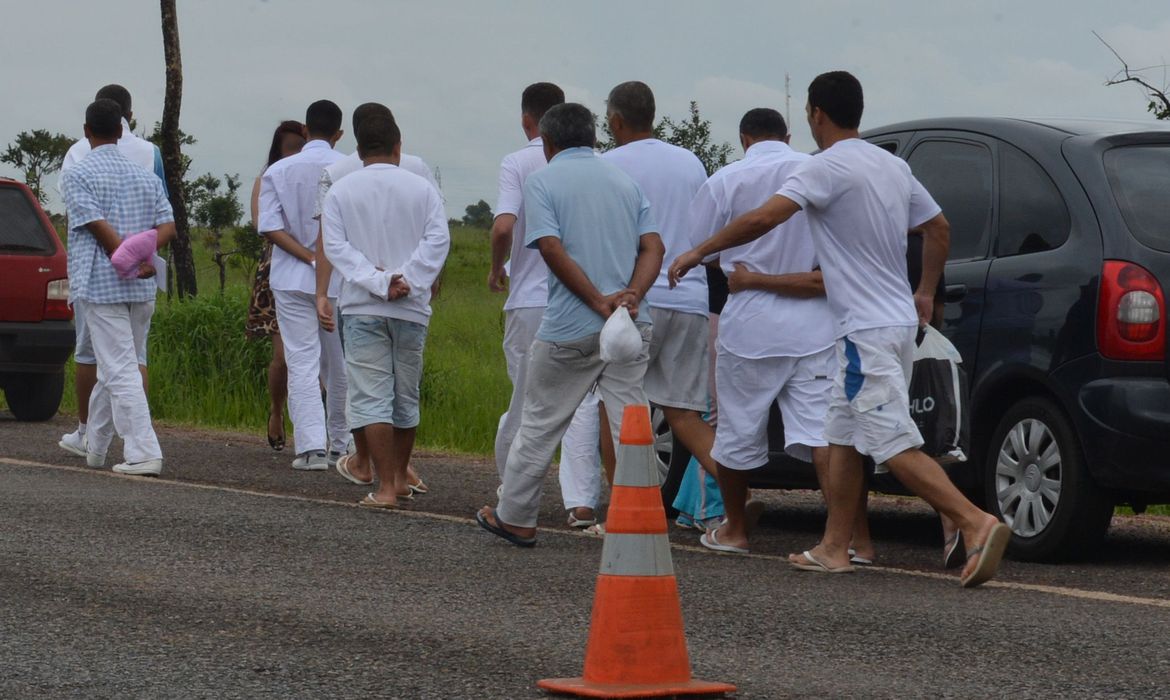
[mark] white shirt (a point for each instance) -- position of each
(353, 163)
(528, 283)
(861, 201)
(288, 200)
(385, 217)
(137, 149)
(669, 177)
(756, 323)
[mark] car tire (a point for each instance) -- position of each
(34, 397)
(1036, 480)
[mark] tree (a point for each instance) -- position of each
(37, 153)
(1158, 100)
(172, 152)
(216, 212)
(478, 215)
(693, 134)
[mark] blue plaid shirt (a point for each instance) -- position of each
(106, 185)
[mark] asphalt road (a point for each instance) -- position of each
(233, 576)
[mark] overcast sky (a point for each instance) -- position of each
(453, 71)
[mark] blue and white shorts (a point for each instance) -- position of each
(869, 407)
(383, 368)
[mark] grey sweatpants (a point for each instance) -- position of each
(559, 376)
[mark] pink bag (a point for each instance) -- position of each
(133, 251)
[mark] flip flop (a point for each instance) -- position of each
(954, 553)
(370, 502)
(420, 487)
(710, 541)
(596, 529)
(815, 565)
(342, 468)
(574, 521)
(500, 532)
(854, 559)
(990, 553)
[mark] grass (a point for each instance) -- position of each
(203, 371)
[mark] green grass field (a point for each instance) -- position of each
(203, 371)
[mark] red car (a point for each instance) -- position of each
(36, 323)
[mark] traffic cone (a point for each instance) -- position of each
(637, 648)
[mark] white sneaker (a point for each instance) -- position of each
(334, 455)
(315, 461)
(150, 467)
(95, 460)
(73, 443)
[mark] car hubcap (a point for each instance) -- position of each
(663, 442)
(1028, 477)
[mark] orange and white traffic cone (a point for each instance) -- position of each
(637, 648)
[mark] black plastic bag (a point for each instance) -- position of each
(939, 399)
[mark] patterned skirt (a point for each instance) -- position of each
(261, 321)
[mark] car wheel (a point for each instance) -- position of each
(1036, 480)
(34, 397)
(663, 441)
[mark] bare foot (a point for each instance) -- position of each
(583, 513)
(976, 540)
(728, 536)
(823, 558)
(489, 514)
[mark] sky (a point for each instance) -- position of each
(453, 70)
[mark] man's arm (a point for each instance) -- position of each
(651, 250)
(742, 229)
(426, 262)
(571, 275)
(802, 285)
(166, 234)
(272, 222)
(936, 243)
(353, 266)
(324, 274)
(502, 229)
(105, 234)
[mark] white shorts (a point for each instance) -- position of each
(869, 407)
(746, 389)
(677, 373)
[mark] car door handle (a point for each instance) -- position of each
(955, 292)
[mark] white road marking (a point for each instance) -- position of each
(1096, 596)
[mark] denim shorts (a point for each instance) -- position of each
(383, 365)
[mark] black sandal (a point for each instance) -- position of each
(276, 443)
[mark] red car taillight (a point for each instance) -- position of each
(57, 301)
(1130, 311)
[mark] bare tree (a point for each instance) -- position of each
(1159, 101)
(185, 283)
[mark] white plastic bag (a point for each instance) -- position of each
(939, 402)
(620, 340)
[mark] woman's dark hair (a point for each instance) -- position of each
(288, 127)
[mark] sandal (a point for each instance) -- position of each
(954, 553)
(275, 442)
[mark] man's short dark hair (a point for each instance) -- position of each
(538, 98)
(118, 94)
(377, 135)
(323, 118)
(104, 118)
(568, 125)
(763, 123)
(368, 109)
(633, 101)
(838, 94)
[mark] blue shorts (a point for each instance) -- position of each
(383, 366)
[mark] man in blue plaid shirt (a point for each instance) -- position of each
(109, 197)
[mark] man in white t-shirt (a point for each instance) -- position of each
(142, 152)
(522, 273)
(357, 467)
(775, 288)
(386, 234)
(288, 202)
(861, 202)
(676, 378)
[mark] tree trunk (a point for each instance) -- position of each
(185, 282)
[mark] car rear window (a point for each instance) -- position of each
(21, 229)
(1140, 179)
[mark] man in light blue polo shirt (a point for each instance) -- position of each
(593, 227)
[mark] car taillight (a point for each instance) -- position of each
(57, 301)
(1130, 312)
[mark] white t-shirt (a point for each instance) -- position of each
(528, 275)
(385, 217)
(353, 163)
(669, 177)
(861, 202)
(288, 202)
(133, 146)
(756, 323)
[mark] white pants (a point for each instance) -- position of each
(118, 402)
(311, 354)
(580, 467)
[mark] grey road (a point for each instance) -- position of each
(234, 576)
